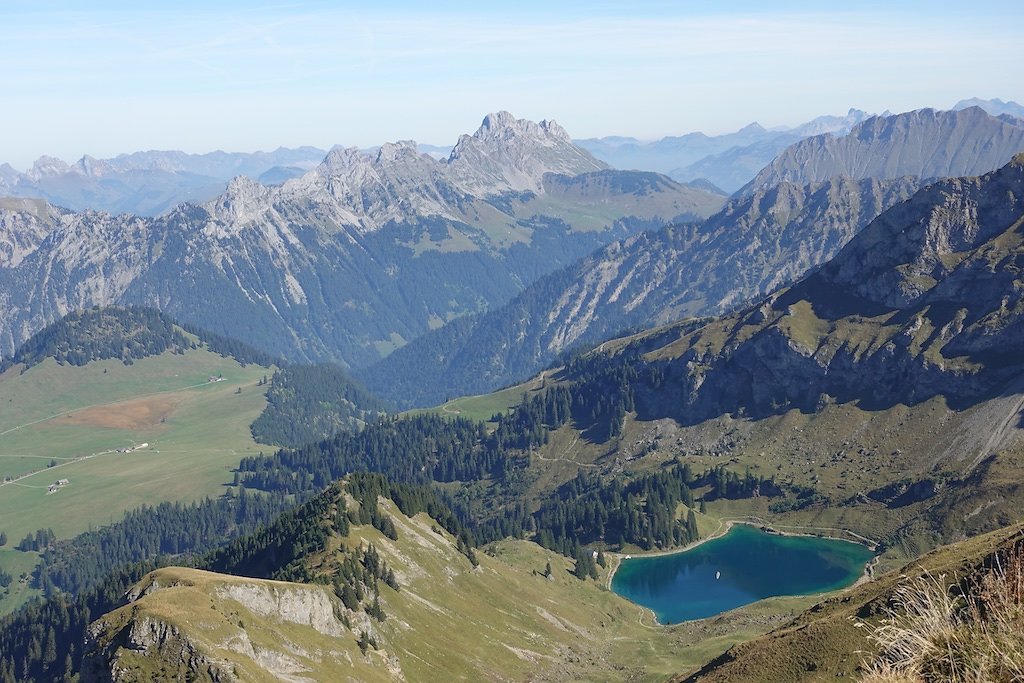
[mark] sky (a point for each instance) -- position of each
(106, 77)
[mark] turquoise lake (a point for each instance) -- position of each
(751, 564)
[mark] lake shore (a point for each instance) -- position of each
(726, 525)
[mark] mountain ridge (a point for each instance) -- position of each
(343, 263)
(750, 248)
(925, 143)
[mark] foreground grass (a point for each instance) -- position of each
(970, 632)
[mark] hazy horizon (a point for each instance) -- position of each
(118, 78)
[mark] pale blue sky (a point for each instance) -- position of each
(241, 76)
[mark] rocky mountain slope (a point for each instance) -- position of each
(728, 160)
(753, 246)
(148, 183)
(922, 302)
(923, 143)
(356, 257)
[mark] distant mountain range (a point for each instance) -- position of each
(732, 160)
(149, 183)
(153, 182)
(728, 160)
(925, 143)
(995, 107)
(760, 241)
(357, 256)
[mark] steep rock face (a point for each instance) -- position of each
(154, 639)
(753, 246)
(925, 301)
(24, 223)
(509, 154)
(347, 262)
(923, 143)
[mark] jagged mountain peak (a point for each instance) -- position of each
(342, 157)
(241, 202)
(505, 124)
(397, 151)
(91, 166)
(754, 127)
(46, 166)
(510, 154)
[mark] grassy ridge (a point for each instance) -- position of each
(503, 620)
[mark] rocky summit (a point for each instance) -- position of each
(349, 261)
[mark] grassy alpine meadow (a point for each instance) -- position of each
(483, 407)
(192, 411)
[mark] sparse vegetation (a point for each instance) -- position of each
(967, 632)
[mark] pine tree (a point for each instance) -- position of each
(348, 596)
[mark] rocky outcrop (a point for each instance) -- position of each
(510, 154)
(109, 658)
(239, 633)
(311, 608)
(925, 301)
(923, 143)
(752, 247)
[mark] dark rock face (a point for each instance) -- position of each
(925, 301)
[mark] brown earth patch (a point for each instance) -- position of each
(136, 414)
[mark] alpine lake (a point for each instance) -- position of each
(744, 565)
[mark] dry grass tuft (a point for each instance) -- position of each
(970, 632)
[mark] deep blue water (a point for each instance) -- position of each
(752, 564)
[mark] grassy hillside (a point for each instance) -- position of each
(448, 621)
(67, 422)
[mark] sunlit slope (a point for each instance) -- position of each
(68, 422)
(503, 620)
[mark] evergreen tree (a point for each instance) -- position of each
(348, 597)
